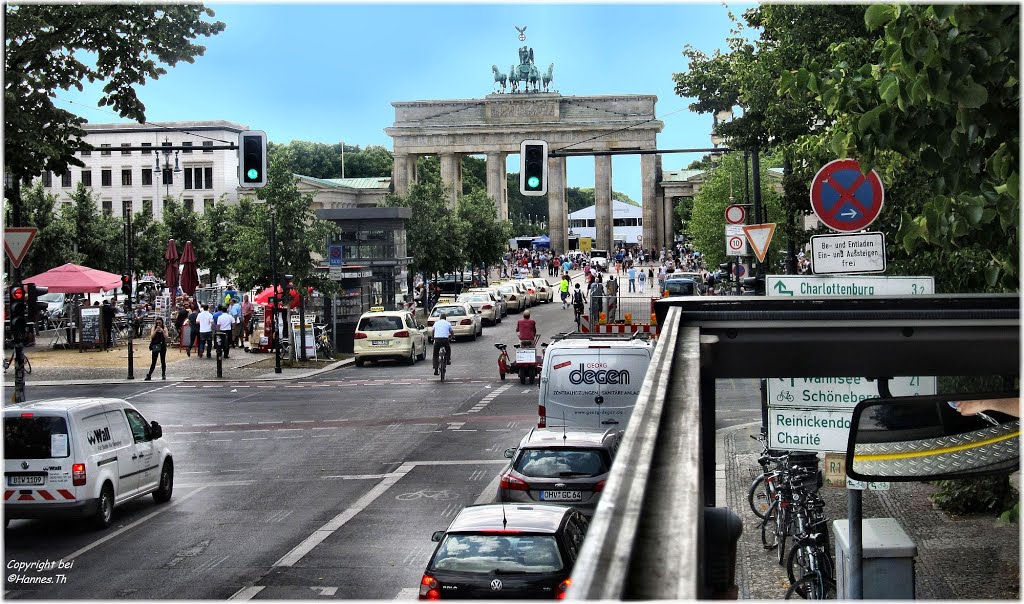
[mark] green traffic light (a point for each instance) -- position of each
(252, 174)
(533, 182)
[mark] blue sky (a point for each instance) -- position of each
(329, 72)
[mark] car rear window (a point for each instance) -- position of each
(680, 288)
(561, 463)
(380, 324)
(35, 437)
(504, 553)
(451, 311)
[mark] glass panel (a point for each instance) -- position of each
(147, 176)
(87, 178)
(209, 177)
(146, 151)
(188, 178)
(140, 429)
(561, 462)
(33, 437)
(106, 178)
(503, 553)
(186, 144)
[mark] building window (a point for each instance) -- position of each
(186, 144)
(87, 178)
(147, 177)
(125, 151)
(104, 149)
(207, 144)
(108, 207)
(209, 177)
(126, 207)
(146, 151)
(207, 204)
(168, 177)
(591, 222)
(65, 179)
(126, 177)
(190, 204)
(86, 152)
(106, 177)
(194, 178)
(47, 179)
(147, 206)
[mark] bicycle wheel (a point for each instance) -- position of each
(28, 366)
(798, 564)
(769, 534)
(443, 362)
(758, 497)
(814, 586)
(782, 531)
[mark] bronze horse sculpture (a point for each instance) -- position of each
(499, 78)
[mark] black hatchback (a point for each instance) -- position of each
(507, 551)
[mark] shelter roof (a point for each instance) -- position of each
(619, 210)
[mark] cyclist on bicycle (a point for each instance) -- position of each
(578, 300)
(442, 337)
(527, 330)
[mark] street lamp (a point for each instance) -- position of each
(167, 166)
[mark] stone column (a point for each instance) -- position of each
(497, 183)
(400, 174)
(451, 175)
(603, 201)
(669, 217)
(557, 200)
(648, 195)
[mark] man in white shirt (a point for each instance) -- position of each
(205, 321)
(442, 337)
(224, 324)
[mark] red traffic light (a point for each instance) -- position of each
(18, 294)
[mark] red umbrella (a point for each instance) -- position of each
(263, 298)
(189, 273)
(75, 279)
(171, 269)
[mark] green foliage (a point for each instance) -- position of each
(53, 243)
(150, 243)
(486, 238)
(986, 494)
(221, 229)
(322, 160)
(183, 225)
(45, 45)
(435, 236)
(97, 236)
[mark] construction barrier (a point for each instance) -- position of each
(586, 327)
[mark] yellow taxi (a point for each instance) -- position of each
(483, 304)
(395, 334)
(466, 323)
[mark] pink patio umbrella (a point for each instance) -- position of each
(171, 269)
(189, 272)
(75, 279)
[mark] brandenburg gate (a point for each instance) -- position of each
(495, 126)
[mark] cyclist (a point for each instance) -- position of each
(527, 329)
(578, 300)
(563, 287)
(442, 337)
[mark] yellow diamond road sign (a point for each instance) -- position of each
(759, 236)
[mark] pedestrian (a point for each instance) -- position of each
(158, 346)
(247, 313)
(179, 321)
(596, 302)
(563, 289)
(138, 318)
(641, 278)
(205, 321)
(235, 310)
(631, 273)
(224, 323)
(193, 329)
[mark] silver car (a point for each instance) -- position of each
(560, 466)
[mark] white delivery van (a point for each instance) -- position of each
(80, 457)
(592, 380)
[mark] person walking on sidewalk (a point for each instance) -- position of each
(632, 278)
(641, 279)
(224, 323)
(563, 289)
(235, 310)
(205, 321)
(612, 289)
(158, 346)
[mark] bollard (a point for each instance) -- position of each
(219, 337)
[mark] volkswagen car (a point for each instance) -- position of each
(466, 323)
(484, 305)
(384, 334)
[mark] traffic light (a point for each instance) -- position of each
(726, 269)
(19, 311)
(126, 284)
(252, 159)
(34, 305)
(285, 289)
(755, 285)
(533, 174)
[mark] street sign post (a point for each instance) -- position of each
(856, 253)
(735, 214)
(735, 241)
(803, 286)
(17, 240)
(843, 198)
(759, 236)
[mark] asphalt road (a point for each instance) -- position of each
(328, 487)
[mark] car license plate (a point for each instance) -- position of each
(526, 356)
(21, 481)
(561, 495)
(378, 343)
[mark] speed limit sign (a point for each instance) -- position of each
(735, 241)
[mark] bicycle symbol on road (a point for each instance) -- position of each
(427, 494)
(786, 396)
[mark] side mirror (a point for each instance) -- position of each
(437, 536)
(926, 438)
(510, 452)
(155, 430)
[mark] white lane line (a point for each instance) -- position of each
(257, 430)
(248, 593)
(273, 422)
(458, 462)
(164, 508)
(148, 391)
(194, 472)
(461, 430)
(307, 545)
(329, 428)
(237, 424)
(286, 437)
(184, 386)
(202, 425)
(408, 593)
(321, 436)
(490, 491)
(290, 429)
(257, 438)
(302, 421)
(173, 425)
(219, 440)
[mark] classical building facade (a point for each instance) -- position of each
(126, 181)
(339, 193)
(496, 125)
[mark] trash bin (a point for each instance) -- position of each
(888, 560)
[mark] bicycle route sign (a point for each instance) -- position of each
(843, 198)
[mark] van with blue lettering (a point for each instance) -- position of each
(81, 457)
(592, 380)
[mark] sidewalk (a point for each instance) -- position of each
(971, 557)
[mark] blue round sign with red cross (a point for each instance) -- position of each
(843, 198)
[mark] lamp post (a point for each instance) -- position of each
(167, 167)
(277, 297)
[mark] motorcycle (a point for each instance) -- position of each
(527, 363)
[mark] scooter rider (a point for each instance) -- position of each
(527, 329)
(442, 337)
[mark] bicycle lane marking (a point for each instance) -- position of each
(151, 391)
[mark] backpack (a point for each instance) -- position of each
(577, 297)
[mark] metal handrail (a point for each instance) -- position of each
(644, 539)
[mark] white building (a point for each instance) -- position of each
(627, 223)
(136, 180)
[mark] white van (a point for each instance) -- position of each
(592, 380)
(80, 457)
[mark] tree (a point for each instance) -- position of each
(52, 245)
(221, 229)
(183, 225)
(249, 249)
(150, 243)
(96, 236)
(434, 235)
(45, 45)
(486, 237)
(373, 161)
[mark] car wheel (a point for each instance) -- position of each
(163, 493)
(423, 355)
(472, 337)
(359, 362)
(105, 512)
(411, 359)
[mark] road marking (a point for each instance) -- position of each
(302, 421)
(149, 391)
(462, 430)
(257, 438)
(489, 493)
(455, 425)
(248, 593)
(286, 437)
(219, 440)
(408, 593)
(118, 532)
(335, 427)
(326, 591)
(237, 424)
(290, 429)
(257, 430)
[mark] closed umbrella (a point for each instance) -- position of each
(263, 298)
(189, 272)
(171, 269)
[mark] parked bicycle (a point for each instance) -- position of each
(322, 336)
(9, 362)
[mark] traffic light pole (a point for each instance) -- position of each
(277, 297)
(129, 253)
